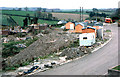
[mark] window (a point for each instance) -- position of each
(84, 38)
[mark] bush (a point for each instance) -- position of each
(25, 63)
(9, 68)
(10, 49)
(108, 30)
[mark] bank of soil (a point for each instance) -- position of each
(49, 42)
(69, 52)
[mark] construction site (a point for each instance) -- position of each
(43, 41)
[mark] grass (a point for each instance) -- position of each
(19, 20)
(117, 67)
(74, 44)
(10, 50)
(14, 67)
(19, 12)
(108, 31)
(47, 21)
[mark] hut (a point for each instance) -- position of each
(99, 29)
(70, 25)
(78, 27)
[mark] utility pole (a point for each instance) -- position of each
(80, 14)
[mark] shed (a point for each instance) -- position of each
(89, 30)
(70, 25)
(100, 33)
(98, 25)
(78, 27)
(86, 39)
(99, 29)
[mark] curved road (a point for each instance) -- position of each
(96, 63)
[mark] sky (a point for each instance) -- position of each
(62, 4)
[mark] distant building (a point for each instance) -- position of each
(53, 10)
(70, 25)
(78, 27)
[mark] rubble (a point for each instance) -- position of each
(50, 42)
(72, 53)
(21, 45)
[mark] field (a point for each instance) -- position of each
(19, 20)
(67, 16)
(61, 16)
(31, 13)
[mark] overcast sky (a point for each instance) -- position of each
(62, 4)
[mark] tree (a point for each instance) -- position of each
(95, 10)
(28, 15)
(39, 9)
(19, 9)
(92, 14)
(26, 9)
(35, 20)
(49, 16)
(35, 15)
(103, 15)
(25, 22)
(44, 9)
(52, 10)
(39, 14)
(13, 9)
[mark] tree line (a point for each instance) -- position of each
(95, 12)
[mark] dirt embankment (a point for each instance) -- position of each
(67, 16)
(46, 44)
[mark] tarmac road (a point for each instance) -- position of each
(96, 63)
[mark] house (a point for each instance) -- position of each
(78, 27)
(70, 25)
(86, 39)
(88, 21)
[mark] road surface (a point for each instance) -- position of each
(96, 63)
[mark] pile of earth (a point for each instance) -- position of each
(47, 43)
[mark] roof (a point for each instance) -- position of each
(89, 28)
(98, 24)
(79, 23)
(82, 23)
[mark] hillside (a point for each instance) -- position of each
(19, 19)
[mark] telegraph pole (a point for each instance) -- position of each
(80, 14)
